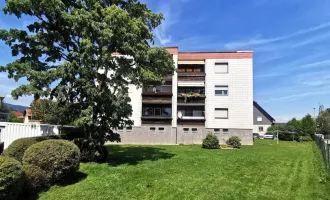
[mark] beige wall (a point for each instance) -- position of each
(256, 129)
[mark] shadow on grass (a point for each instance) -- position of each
(34, 195)
(132, 155)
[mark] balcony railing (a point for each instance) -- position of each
(193, 74)
(163, 90)
(191, 114)
(191, 78)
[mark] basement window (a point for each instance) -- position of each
(161, 129)
(129, 129)
(216, 130)
(186, 130)
(194, 130)
(225, 130)
(152, 128)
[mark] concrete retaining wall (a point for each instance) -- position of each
(171, 135)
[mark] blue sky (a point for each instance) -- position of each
(290, 39)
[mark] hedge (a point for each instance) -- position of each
(211, 142)
(11, 178)
(55, 159)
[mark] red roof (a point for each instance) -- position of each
(18, 114)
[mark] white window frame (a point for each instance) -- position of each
(225, 130)
(161, 131)
(129, 130)
(259, 118)
(221, 88)
(221, 109)
(194, 131)
(153, 129)
(185, 131)
(216, 130)
(261, 128)
(221, 64)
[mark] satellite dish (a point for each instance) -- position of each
(180, 115)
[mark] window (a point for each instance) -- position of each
(152, 128)
(259, 119)
(216, 130)
(161, 129)
(128, 129)
(120, 129)
(221, 68)
(225, 130)
(221, 90)
(194, 130)
(261, 128)
(221, 113)
(185, 130)
(158, 111)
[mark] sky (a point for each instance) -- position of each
(290, 40)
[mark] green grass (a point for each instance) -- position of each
(264, 171)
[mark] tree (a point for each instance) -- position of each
(13, 118)
(294, 125)
(275, 128)
(308, 125)
(323, 122)
(72, 53)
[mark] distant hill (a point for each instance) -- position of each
(16, 107)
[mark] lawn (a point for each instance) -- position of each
(266, 170)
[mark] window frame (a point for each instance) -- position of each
(129, 129)
(225, 130)
(159, 129)
(259, 117)
(262, 129)
(222, 91)
(152, 128)
(194, 131)
(215, 109)
(221, 63)
(185, 130)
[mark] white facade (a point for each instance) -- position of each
(136, 103)
(256, 129)
(239, 100)
(175, 92)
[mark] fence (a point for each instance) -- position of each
(324, 147)
(13, 131)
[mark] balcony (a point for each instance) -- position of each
(191, 78)
(156, 100)
(191, 74)
(190, 114)
(161, 90)
(191, 99)
(156, 114)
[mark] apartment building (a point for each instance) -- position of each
(209, 92)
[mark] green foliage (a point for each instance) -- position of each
(11, 178)
(3, 107)
(91, 151)
(323, 122)
(234, 141)
(71, 133)
(308, 125)
(36, 178)
(17, 148)
(274, 128)
(13, 118)
(70, 47)
(294, 125)
(211, 142)
(288, 136)
(306, 138)
(56, 159)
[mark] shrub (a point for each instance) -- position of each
(35, 177)
(91, 150)
(57, 159)
(17, 148)
(71, 133)
(306, 138)
(210, 142)
(11, 178)
(234, 141)
(287, 136)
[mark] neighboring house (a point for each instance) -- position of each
(19, 115)
(209, 92)
(261, 119)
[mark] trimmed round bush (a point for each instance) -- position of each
(234, 141)
(17, 148)
(211, 142)
(11, 178)
(56, 160)
(36, 178)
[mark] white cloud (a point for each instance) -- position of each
(315, 64)
(23, 101)
(267, 75)
(298, 96)
(258, 40)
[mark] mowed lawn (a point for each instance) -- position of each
(266, 170)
